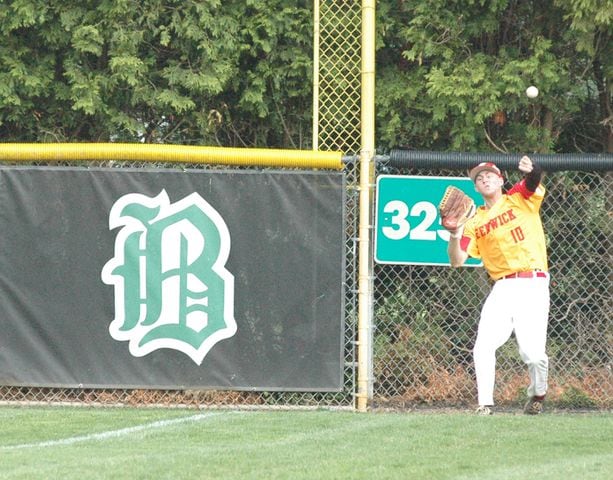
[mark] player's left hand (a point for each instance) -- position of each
(525, 164)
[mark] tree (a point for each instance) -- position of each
(154, 71)
(452, 75)
(590, 27)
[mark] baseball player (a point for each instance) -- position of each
(507, 234)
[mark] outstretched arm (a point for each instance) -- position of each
(533, 172)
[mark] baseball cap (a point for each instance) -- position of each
(484, 166)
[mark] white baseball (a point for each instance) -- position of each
(532, 91)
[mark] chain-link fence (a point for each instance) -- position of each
(337, 71)
(426, 316)
(337, 123)
(199, 398)
(425, 320)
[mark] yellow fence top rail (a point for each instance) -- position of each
(147, 152)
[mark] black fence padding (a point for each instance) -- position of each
(464, 160)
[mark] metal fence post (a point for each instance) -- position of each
(367, 175)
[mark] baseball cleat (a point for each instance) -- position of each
(534, 406)
(484, 410)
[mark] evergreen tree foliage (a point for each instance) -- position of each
(231, 72)
(451, 75)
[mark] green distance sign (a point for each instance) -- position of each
(408, 227)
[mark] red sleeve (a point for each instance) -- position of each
(520, 187)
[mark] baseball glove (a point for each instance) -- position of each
(455, 208)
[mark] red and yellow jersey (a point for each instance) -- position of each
(509, 236)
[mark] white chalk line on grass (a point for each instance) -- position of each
(112, 433)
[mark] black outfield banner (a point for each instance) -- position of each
(133, 278)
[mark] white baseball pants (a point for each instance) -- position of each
(520, 305)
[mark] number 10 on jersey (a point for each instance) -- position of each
(407, 224)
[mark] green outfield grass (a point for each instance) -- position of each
(129, 443)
